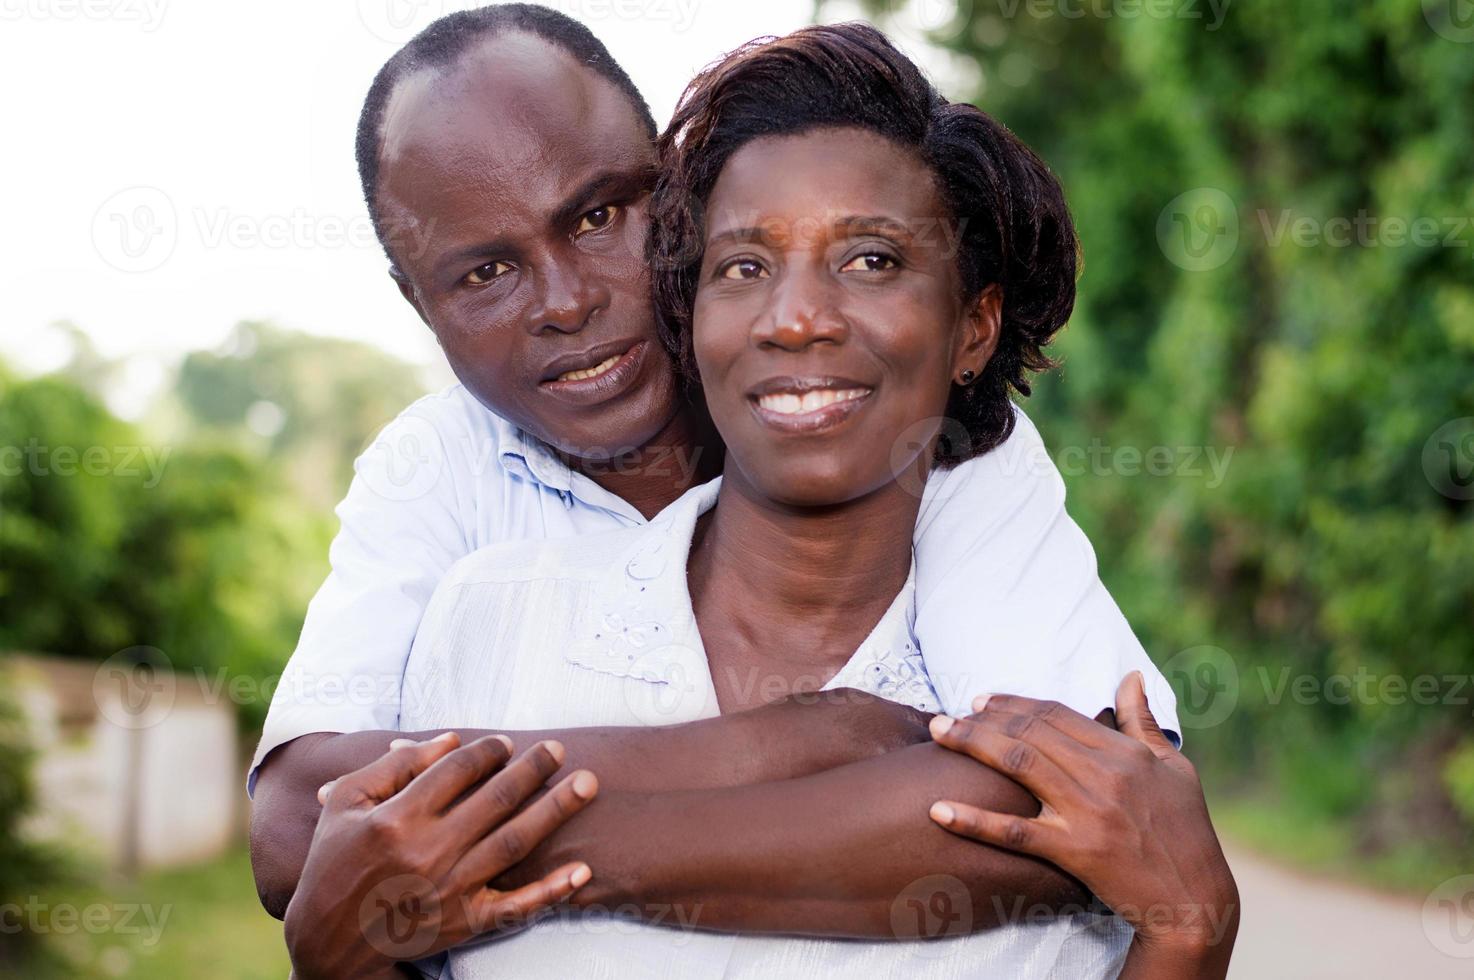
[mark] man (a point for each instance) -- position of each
(506, 160)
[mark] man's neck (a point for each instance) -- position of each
(683, 454)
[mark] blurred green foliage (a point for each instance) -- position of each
(1223, 307)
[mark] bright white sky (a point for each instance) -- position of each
(176, 166)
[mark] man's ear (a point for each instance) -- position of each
(407, 290)
(982, 324)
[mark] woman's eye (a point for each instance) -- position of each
(596, 219)
(483, 274)
(744, 269)
(869, 262)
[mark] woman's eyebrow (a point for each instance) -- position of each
(874, 224)
(847, 226)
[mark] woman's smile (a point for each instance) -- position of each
(808, 405)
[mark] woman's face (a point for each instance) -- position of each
(829, 324)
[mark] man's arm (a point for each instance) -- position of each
(846, 852)
(792, 737)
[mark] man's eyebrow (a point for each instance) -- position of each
(588, 194)
(494, 246)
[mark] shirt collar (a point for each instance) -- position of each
(644, 625)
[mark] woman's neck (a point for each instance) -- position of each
(778, 589)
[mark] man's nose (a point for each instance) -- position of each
(803, 313)
(567, 299)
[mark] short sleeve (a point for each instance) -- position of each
(1009, 599)
(402, 526)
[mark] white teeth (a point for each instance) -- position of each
(787, 403)
(592, 372)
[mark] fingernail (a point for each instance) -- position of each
(444, 737)
(942, 813)
(555, 749)
(400, 743)
(505, 741)
(324, 790)
(585, 785)
(1140, 680)
(580, 876)
(980, 702)
(940, 724)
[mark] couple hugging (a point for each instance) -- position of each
(728, 622)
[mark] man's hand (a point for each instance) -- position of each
(405, 847)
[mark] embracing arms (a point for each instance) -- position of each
(787, 738)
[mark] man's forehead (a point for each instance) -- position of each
(513, 101)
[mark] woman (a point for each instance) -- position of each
(851, 267)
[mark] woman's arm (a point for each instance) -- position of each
(792, 737)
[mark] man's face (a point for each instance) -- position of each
(513, 186)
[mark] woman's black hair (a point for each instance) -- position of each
(1015, 229)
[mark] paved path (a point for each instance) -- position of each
(1301, 928)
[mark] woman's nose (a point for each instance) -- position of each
(802, 314)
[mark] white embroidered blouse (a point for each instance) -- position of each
(599, 630)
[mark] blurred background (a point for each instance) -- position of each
(1265, 416)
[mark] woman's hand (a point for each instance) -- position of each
(1122, 811)
(405, 848)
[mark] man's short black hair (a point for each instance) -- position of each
(451, 36)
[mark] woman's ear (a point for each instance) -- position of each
(982, 322)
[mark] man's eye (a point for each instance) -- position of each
(597, 218)
(483, 274)
(869, 262)
(744, 269)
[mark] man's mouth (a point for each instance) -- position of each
(595, 375)
(583, 374)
